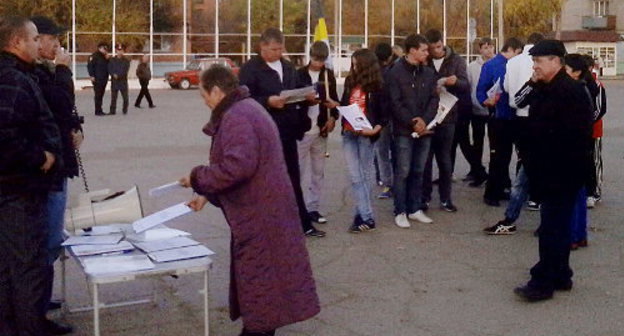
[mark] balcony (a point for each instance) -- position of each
(606, 22)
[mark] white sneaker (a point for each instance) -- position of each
(591, 202)
(401, 221)
(421, 217)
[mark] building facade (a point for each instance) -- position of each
(595, 27)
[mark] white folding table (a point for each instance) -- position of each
(174, 268)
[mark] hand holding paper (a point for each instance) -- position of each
(160, 217)
(355, 117)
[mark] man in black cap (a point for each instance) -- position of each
(118, 68)
(560, 123)
(98, 72)
(57, 86)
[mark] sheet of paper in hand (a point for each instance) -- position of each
(355, 117)
(297, 95)
(160, 217)
(495, 91)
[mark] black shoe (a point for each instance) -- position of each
(448, 206)
(316, 217)
(360, 226)
(56, 328)
(491, 202)
(478, 180)
(565, 285)
(55, 305)
(469, 177)
(99, 114)
(112, 113)
(313, 232)
(125, 112)
(533, 294)
(152, 106)
(137, 106)
(425, 206)
(505, 196)
(501, 228)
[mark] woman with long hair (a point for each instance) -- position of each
(363, 87)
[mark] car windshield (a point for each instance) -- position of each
(193, 65)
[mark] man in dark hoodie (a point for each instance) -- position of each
(267, 75)
(451, 71)
(98, 72)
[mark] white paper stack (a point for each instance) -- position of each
(116, 264)
(93, 240)
(86, 250)
(165, 244)
(187, 252)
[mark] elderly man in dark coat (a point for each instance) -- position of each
(271, 277)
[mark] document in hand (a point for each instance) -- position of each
(116, 264)
(93, 240)
(447, 102)
(297, 95)
(182, 253)
(160, 217)
(495, 91)
(164, 189)
(355, 117)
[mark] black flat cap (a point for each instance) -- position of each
(46, 26)
(548, 48)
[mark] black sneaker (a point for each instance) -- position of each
(313, 232)
(448, 206)
(533, 294)
(491, 202)
(533, 206)
(425, 206)
(501, 228)
(56, 328)
(564, 285)
(362, 226)
(478, 180)
(316, 217)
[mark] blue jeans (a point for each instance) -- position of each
(359, 155)
(55, 220)
(519, 195)
(579, 220)
(409, 166)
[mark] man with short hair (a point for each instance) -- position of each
(30, 155)
(450, 69)
(412, 88)
(267, 75)
(98, 72)
(560, 125)
(323, 114)
(500, 128)
(118, 68)
(480, 113)
(56, 84)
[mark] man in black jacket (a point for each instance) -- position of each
(560, 119)
(412, 88)
(451, 71)
(266, 75)
(144, 74)
(30, 154)
(56, 84)
(118, 68)
(98, 72)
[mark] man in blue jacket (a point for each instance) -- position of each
(500, 131)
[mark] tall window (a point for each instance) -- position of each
(601, 7)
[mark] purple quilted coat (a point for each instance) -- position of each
(271, 282)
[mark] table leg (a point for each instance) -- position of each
(206, 316)
(96, 311)
(64, 307)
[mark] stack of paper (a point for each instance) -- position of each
(85, 250)
(165, 244)
(159, 233)
(116, 264)
(188, 252)
(93, 240)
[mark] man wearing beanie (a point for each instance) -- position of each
(560, 119)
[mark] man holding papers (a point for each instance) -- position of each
(412, 88)
(271, 281)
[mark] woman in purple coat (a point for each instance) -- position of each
(271, 283)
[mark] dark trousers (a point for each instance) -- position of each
(462, 139)
(594, 184)
(98, 89)
(478, 124)
(501, 135)
(144, 93)
(116, 87)
(553, 267)
(441, 145)
(23, 264)
(291, 157)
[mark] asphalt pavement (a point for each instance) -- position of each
(440, 279)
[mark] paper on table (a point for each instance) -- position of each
(116, 264)
(93, 240)
(107, 229)
(158, 233)
(188, 252)
(356, 118)
(296, 95)
(84, 250)
(164, 189)
(166, 244)
(160, 217)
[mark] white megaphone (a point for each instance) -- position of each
(102, 208)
